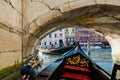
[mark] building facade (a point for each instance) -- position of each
(53, 40)
(70, 35)
(82, 35)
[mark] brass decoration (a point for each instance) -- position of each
(78, 61)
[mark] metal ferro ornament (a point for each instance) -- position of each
(77, 60)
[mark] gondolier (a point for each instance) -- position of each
(60, 41)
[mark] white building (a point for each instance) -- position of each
(70, 35)
(52, 40)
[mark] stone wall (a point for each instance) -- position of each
(10, 32)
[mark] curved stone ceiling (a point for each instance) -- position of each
(104, 19)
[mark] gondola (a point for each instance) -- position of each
(74, 65)
(57, 50)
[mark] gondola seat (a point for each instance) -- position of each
(77, 68)
(74, 76)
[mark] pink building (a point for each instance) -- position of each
(82, 35)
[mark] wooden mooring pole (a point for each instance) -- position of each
(88, 47)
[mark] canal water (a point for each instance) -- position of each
(102, 57)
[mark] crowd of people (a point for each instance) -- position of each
(30, 69)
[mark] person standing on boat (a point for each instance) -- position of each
(61, 44)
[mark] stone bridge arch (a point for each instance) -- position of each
(100, 16)
(33, 19)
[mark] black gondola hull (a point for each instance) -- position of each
(57, 51)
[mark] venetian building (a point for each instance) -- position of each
(52, 39)
(70, 35)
